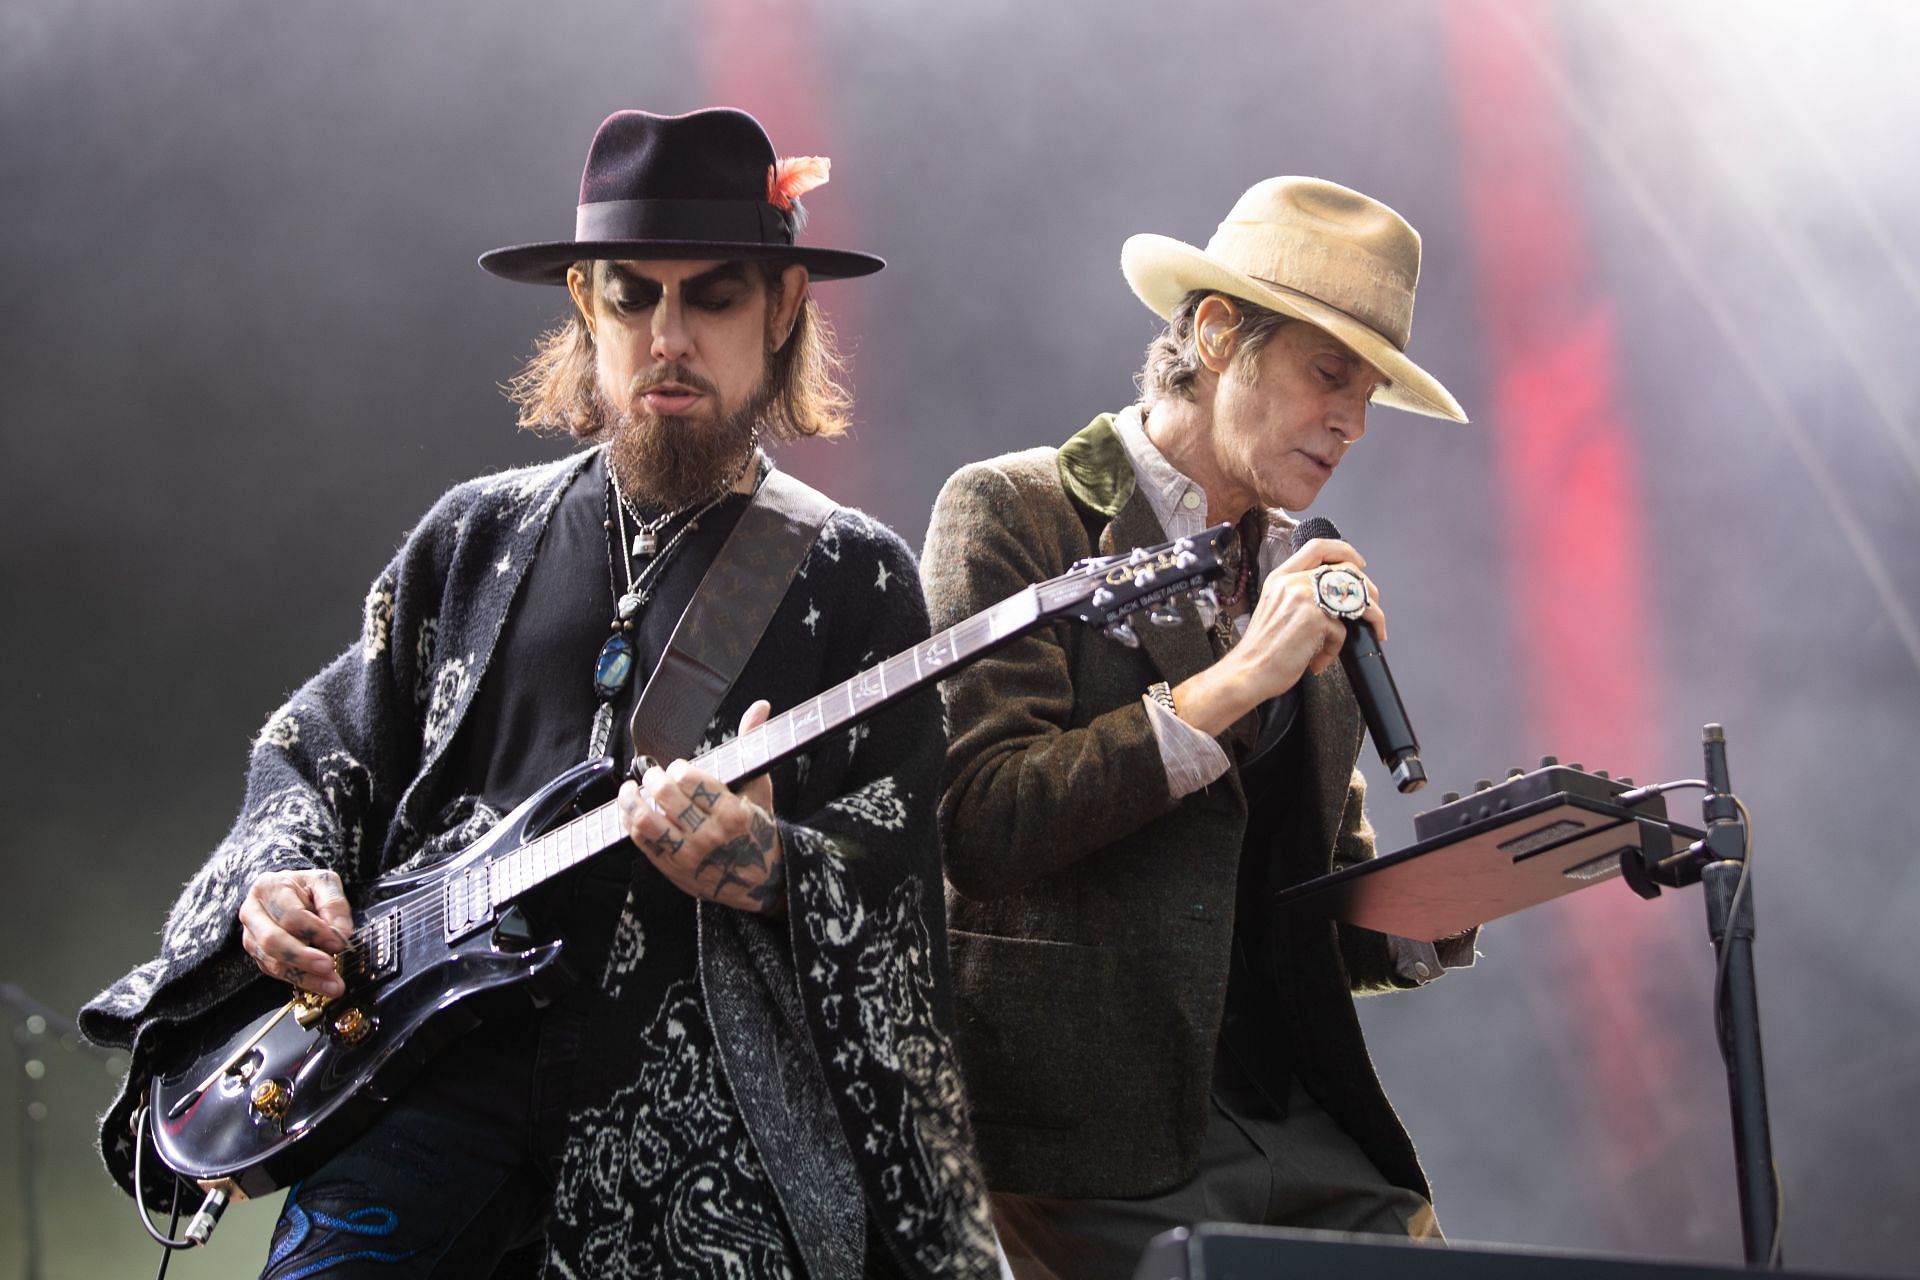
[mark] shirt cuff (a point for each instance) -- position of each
(1421, 962)
(1192, 758)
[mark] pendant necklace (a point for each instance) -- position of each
(613, 668)
(1239, 559)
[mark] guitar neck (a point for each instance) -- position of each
(846, 703)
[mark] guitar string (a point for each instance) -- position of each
(427, 915)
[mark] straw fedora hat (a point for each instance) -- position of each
(1316, 251)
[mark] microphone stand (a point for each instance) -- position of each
(38, 1024)
(1719, 862)
(1727, 880)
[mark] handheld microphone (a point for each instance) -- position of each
(1373, 687)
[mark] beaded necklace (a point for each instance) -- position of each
(1241, 555)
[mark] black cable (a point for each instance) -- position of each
(167, 1241)
(166, 1253)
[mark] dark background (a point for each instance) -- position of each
(244, 345)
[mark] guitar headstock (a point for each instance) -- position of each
(1106, 592)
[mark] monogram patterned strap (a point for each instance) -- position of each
(725, 619)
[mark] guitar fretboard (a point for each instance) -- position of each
(572, 843)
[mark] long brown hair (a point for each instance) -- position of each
(555, 391)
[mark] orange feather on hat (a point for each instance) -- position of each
(793, 177)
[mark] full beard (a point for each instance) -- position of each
(670, 461)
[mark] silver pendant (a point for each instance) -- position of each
(629, 604)
(645, 543)
(602, 732)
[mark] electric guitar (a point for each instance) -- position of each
(263, 1088)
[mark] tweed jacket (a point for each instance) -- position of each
(832, 1026)
(1090, 913)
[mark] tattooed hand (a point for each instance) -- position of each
(293, 923)
(713, 843)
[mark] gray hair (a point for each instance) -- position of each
(1173, 357)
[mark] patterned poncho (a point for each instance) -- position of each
(834, 1025)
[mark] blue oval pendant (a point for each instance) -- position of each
(614, 667)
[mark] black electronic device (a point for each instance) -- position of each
(1501, 848)
(1545, 833)
(1219, 1251)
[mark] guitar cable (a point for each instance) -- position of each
(198, 1228)
(166, 1254)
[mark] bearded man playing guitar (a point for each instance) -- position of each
(752, 1073)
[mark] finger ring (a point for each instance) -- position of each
(1340, 593)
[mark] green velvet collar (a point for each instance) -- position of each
(1094, 467)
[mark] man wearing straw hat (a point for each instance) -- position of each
(754, 1073)
(1143, 1047)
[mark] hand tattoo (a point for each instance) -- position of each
(742, 852)
(703, 796)
(772, 891)
(691, 818)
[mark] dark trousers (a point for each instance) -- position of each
(455, 1174)
(1285, 1166)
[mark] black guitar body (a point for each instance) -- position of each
(259, 1091)
(261, 1115)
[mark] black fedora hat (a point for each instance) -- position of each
(700, 185)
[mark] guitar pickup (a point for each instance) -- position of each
(469, 901)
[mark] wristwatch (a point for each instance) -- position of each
(1341, 593)
(1162, 694)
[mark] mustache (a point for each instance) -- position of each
(677, 374)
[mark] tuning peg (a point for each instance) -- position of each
(1124, 633)
(1162, 615)
(1207, 598)
(1102, 597)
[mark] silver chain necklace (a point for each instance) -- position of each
(613, 668)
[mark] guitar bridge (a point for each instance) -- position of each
(375, 953)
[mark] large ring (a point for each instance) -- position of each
(1341, 593)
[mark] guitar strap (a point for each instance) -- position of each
(727, 616)
(753, 991)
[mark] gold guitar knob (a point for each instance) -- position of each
(271, 1098)
(352, 1026)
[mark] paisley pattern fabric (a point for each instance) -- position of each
(664, 1180)
(834, 1025)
